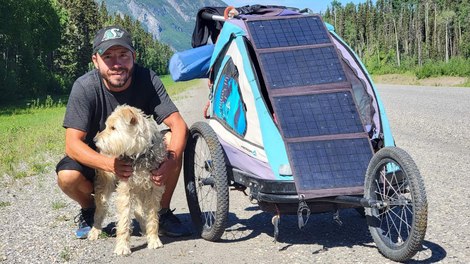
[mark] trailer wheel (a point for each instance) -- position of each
(398, 229)
(206, 182)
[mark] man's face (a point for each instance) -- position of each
(116, 66)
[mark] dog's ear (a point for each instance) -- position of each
(130, 117)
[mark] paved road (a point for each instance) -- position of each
(431, 123)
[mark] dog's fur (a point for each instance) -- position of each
(132, 136)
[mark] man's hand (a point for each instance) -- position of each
(160, 176)
(121, 169)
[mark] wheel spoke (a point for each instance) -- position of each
(408, 227)
(204, 170)
(389, 185)
(393, 219)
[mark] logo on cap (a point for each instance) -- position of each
(113, 33)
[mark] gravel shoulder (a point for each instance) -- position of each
(431, 123)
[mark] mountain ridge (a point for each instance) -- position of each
(169, 21)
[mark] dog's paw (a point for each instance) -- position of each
(155, 243)
(94, 234)
(122, 250)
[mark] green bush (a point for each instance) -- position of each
(455, 67)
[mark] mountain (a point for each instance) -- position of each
(170, 21)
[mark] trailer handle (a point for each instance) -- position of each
(208, 16)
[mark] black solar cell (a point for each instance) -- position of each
(317, 114)
(288, 32)
(330, 163)
(302, 67)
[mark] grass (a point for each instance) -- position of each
(104, 235)
(4, 204)
(28, 134)
(465, 84)
(58, 205)
(31, 133)
(62, 218)
(66, 255)
(174, 88)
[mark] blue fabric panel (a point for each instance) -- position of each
(228, 105)
(226, 34)
(273, 144)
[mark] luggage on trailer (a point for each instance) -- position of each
(191, 64)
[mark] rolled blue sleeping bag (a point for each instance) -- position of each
(191, 64)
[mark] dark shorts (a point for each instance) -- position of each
(69, 164)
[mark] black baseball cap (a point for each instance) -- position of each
(111, 36)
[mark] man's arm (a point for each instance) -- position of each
(179, 135)
(77, 150)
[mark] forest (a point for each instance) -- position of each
(427, 38)
(46, 44)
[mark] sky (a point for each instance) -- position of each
(317, 6)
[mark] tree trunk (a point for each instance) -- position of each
(460, 32)
(6, 65)
(419, 37)
(378, 54)
(410, 33)
(396, 40)
(447, 45)
(426, 25)
(335, 18)
(435, 29)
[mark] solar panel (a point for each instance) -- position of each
(302, 67)
(326, 142)
(288, 32)
(317, 114)
(330, 163)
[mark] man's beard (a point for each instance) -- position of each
(117, 83)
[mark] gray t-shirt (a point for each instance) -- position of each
(90, 102)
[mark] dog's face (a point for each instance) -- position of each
(127, 133)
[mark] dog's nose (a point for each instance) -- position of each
(95, 139)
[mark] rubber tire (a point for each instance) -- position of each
(209, 231)
(413, 243)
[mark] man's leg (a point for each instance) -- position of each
(169, 224)
(171, 183)
(76, 186)
(76, 181)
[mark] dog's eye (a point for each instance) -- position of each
(113, 128)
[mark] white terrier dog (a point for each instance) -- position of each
(131, 136)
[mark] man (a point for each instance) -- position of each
(117, 80)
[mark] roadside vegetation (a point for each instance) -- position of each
(423, 38)
(32, 137)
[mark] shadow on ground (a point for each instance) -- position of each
(321, 229)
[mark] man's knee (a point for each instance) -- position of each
(166, 137)
(69, 179)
